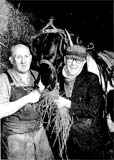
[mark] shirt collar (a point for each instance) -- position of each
(18, 80)
(66, 76)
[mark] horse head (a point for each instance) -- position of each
(49, 47)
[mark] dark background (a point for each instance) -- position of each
(92, 21)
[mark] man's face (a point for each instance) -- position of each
(21, 58)
(73, 66)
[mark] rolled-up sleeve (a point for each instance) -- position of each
(4, 88)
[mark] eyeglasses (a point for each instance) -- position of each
(71, 60)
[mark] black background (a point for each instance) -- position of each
(92, 21)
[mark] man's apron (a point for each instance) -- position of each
(23, 137)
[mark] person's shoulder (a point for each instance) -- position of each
(89, 74)
(4, 77)
(92, 76)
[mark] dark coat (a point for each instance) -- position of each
(89, 133)
(110, 103)
(89, 136)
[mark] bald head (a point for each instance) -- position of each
(20, 58)
(18, 48)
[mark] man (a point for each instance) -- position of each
(20, 125)
(83, 99)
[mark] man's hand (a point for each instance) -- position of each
(33, 96)
(63, 102)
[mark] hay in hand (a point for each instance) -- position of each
(63, 123)
(59, 117)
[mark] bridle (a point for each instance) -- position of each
(53, 72)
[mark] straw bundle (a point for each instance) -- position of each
(60, 117)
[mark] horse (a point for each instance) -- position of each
(49, 47)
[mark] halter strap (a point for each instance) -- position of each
(10, 78)
(50, 64)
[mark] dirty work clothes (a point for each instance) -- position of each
(110, 104)
(22, 131)
(29, 146)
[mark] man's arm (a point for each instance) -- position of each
(10, 108)
(90, 104)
